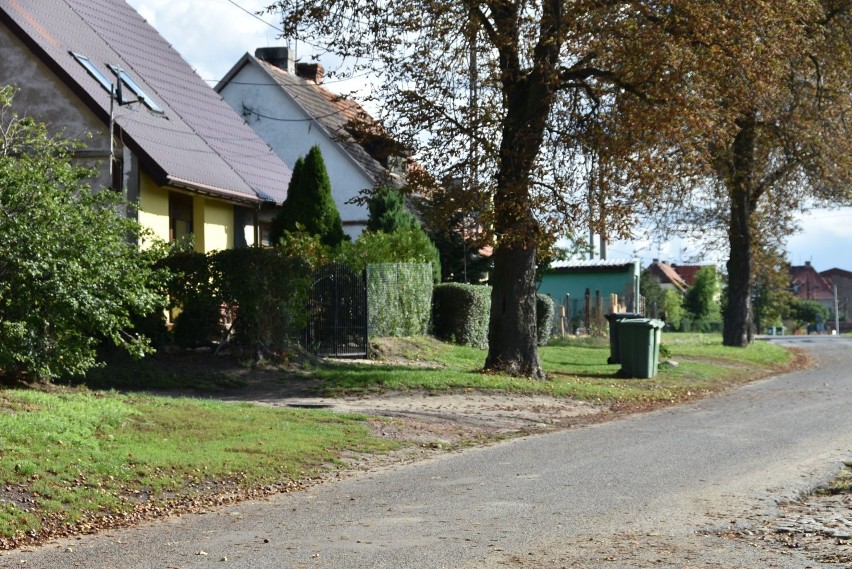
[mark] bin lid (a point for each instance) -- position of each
(621, 315)
(644, 322)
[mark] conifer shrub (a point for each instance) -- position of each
(544, 311)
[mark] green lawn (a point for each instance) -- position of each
(70, 456)
(75, 458)
(576, 369)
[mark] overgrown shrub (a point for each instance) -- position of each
(544, 311)
(409, 245)
(193, 301)
(259, 293)
(460, 313)
(399, 298)
(71, 275)
(266, 293)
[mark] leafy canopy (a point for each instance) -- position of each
(71, 273)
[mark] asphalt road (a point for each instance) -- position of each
(651, 490)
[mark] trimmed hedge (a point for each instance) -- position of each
(399, 298)
(544, 311)
(460, 313)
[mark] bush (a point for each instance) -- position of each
(409, 245)
(460, 313)
(267, 293)
(264, 291)
(193, 301)
(399, 298)
(544, 311)
(71, 274)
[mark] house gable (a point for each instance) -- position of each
(293, 114)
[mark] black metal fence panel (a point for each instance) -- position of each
(337, 312)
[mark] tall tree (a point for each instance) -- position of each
(701, 300)
(511, 99)
(309, 205)
(784, 80)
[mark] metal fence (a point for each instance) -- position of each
(337, 312)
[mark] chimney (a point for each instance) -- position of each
(280, 57)
(807, 263)
(310, 71)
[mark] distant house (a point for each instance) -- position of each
(178, 150)
(674, 277)
(567, 282)
(667, 276)
(285, 102)
(808, 284)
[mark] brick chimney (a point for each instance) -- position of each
(280, 57)
(310, 71)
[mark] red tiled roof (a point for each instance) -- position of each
(687, 272)
(667, 275)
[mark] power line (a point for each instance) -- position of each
(305, 86)
(256, 17)
(279, 119)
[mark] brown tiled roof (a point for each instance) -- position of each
(332, 112)
(810, 285)
(835, 272)
(667, 275)
(199, 142)
(687, 272)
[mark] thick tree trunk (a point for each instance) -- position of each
(512, 334)
(529, 95)
(738, 311)
(512, 325)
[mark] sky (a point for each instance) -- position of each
(212, 35)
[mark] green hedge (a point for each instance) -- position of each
(260, 293)
(460, 313)
(266, 292)
(399, 298)
(544, 311)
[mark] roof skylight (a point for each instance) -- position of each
(93, 71)
(137, 90)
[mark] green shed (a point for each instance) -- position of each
(569, 282)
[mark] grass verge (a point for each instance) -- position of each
(576, 368)
(73, 460)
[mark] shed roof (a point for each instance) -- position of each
(594, 265)
(198, 142)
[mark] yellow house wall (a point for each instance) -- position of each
(153, 208)
(213, 221)
(218, 224)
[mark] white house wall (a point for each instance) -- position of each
(294, 134)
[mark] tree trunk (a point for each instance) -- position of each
(529, 95)
(512, 340)
(738, 312)
(512, 346)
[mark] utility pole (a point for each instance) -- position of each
(836, 313)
